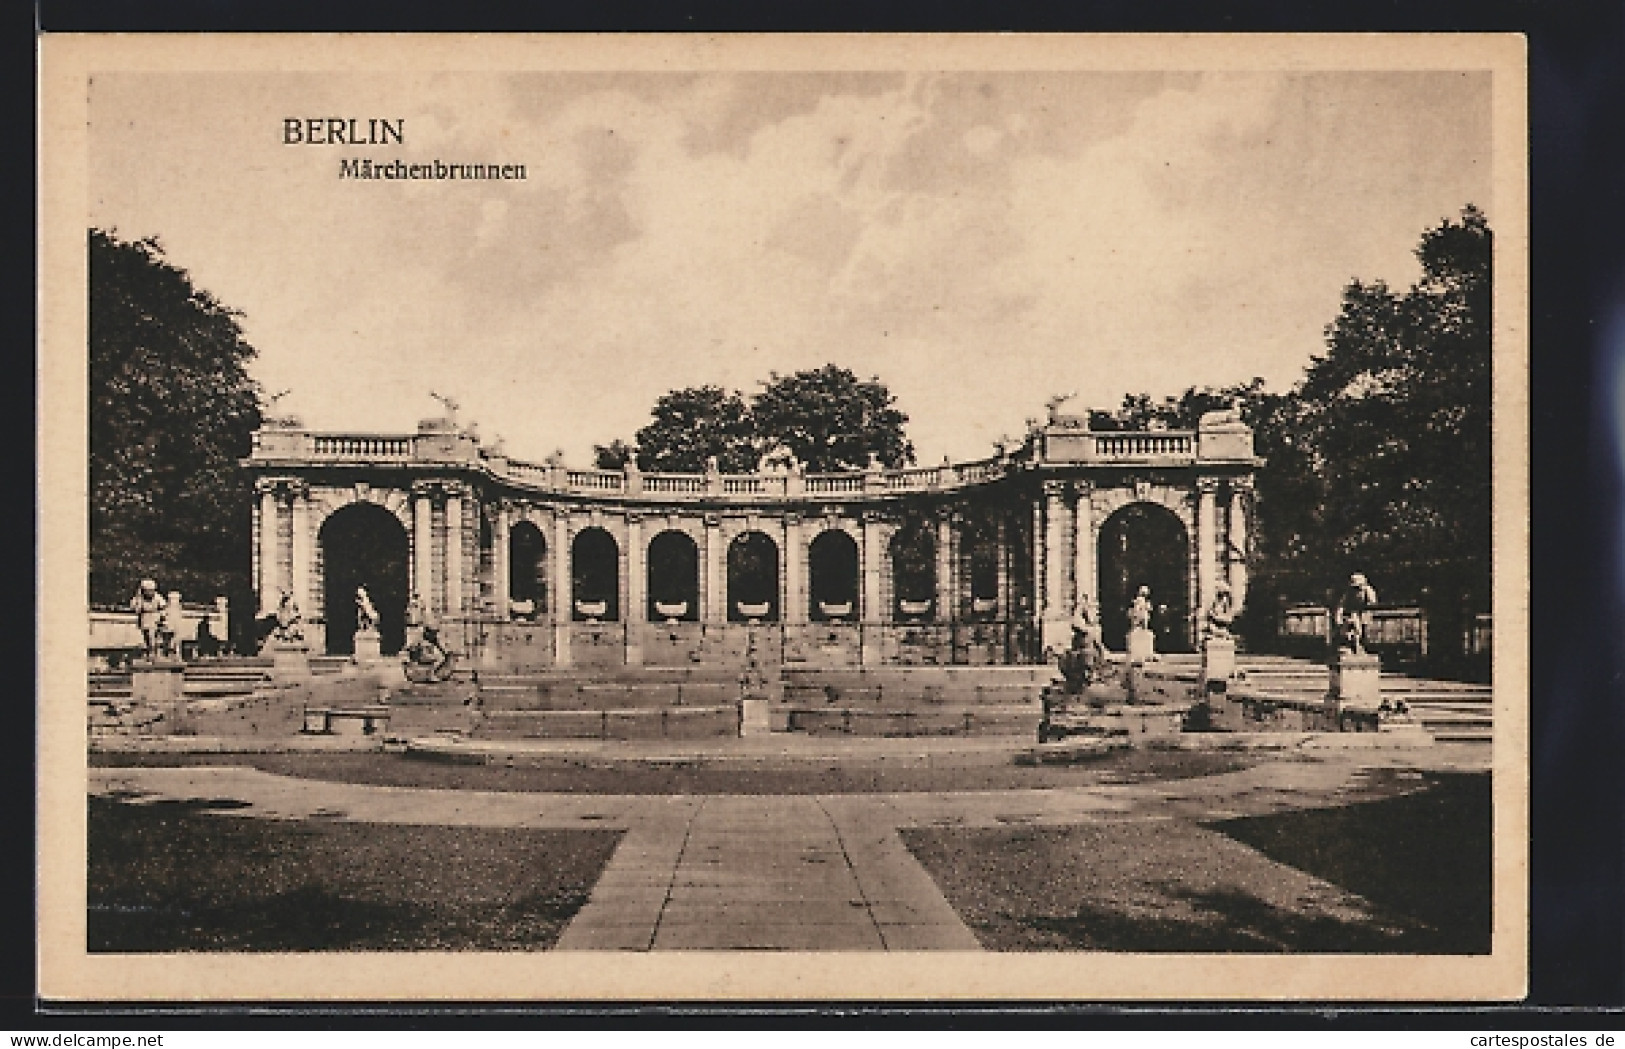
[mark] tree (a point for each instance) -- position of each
(613, 456)
(172, 410)
(691, 426)
(1402, 401)
(830, 420)
(824, 418)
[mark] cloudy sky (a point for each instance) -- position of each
(978, 241)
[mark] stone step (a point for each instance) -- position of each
(903, 694)
(611, 696)
(665, 723)
(1003, 720)
(917, 676)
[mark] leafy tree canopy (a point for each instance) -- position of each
(690, 426)
(172, 409)
(829, 419)
(1402, 417)
(826, 418)
(1379, 460)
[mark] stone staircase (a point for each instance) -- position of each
(657, 702)
(912, 700)
(215, 684)
(1451, 711)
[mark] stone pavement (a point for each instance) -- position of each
(787, 872)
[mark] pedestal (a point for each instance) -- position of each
(367, 647)
(1218, 662)
(1055, 635)
(1355, 681)
(1141, 645)
(753, 717)
(290, 660)
(158, 683)
(871, 652)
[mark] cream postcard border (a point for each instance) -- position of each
(67, 971)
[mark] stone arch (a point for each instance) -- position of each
(1145, 543)
(673, 566)
(979, 559)
(328, 501)
(363, 544)
(528, 568)
(753, 578)
(595, 571)
(833, 575)
(911, 556)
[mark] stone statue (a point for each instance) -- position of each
(148, 606)
(1081, 663)
(1353, 614)
(289, 620)
(366, 616)
(1139, 612)
(1221, 613)
(169, 626)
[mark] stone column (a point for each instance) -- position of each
(1055, 600)
(423, 547)
(872, 614)
(304, 555)
(945, 566)
(713, 602)
(1084, 551)
(1207, 530)
(501, 558)
(1238, 542)
(634, 613)
(794, 606)
(454, 551)
(270, 580)
(1001, 560)
(563, 588)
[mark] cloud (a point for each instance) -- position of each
(980, 241)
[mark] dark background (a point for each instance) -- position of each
(1577, 376)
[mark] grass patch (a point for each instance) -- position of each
(1426, 855)
(590, 776)
(181, 876)
(1406, 874)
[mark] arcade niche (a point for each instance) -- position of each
(527, 564)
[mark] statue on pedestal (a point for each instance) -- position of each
(366, 616)
(1141, 641)
(169, 626)
(1353, 614)
(1221, 614)
(148, 606)
(1080, 665)
(1139, 610)
(289, 620)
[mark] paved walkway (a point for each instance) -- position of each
(801, 872)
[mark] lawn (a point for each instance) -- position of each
(187, 876)
(592, 776)
(1406, 874)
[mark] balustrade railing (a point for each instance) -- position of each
(834, 484)
(529, 471)
(674, 484)
(1142, 445)
(1135, 446)
(596, 480)
(361, 446)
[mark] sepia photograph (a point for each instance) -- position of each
(861, 517)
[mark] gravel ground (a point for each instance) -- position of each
(1406, 874)
(585, 776)
(181, 877)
